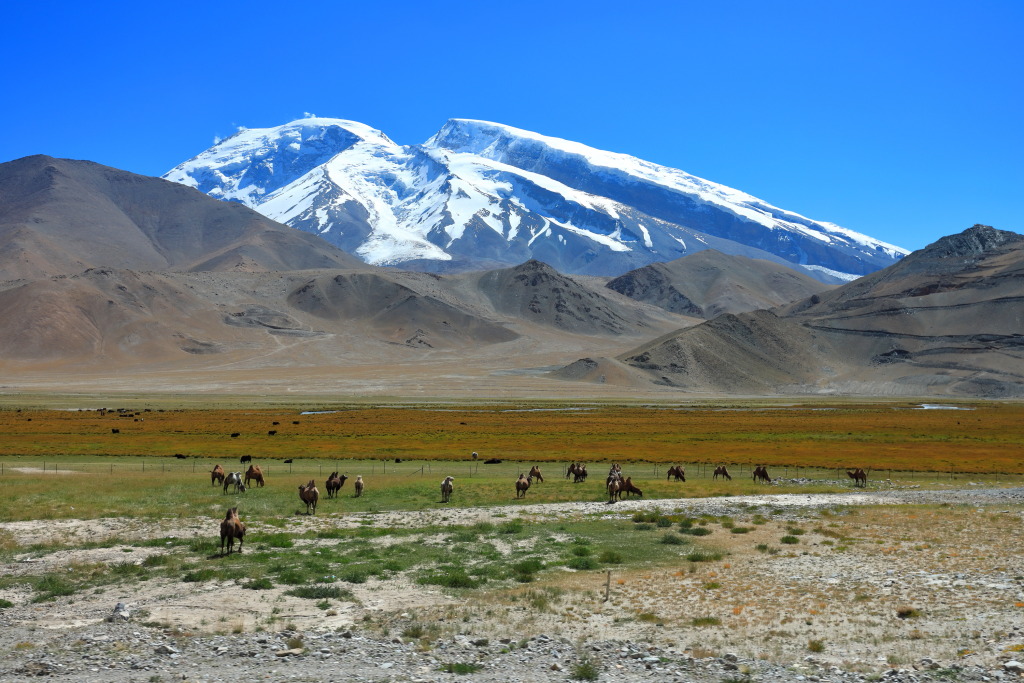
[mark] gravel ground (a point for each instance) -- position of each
(980, 598)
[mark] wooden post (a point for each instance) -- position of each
(608, 585)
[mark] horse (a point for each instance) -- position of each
(721, 471)
(677, 472)
(522, 486)
(254, 472)
(447, 486)
(233, 479)
(535, 474)
(761, 474)
(309, 495)
(216, 475)
(230, 529)
(860, 478)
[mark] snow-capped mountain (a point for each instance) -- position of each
(480, 194)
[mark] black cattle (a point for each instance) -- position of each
(245, 458)
(289, 460)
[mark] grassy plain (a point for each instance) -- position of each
(897, 436)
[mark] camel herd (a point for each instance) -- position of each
(616, 484)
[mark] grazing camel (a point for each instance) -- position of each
(573, 470)
(535, 474)
(216, 475)
(447, 486)
(522, 486)
(230, 529)
(761, 475)
(860, 478)
(677, 472)
(629, 488)
(233, 479)
(721, 471)
(254, 472)
(581, 474)
(334, 484)
(359, 485)
(309, 495)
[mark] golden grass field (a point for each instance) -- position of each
(897, 436)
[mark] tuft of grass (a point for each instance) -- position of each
(673, 539)
(816, 645)
(449, 577)
(789, 540)
(52, 586)
(5, 603)
(610, 557)
(704, 555)
(582, 563)
(711, 585)
(740, 530)
(461, 668)
(705, 621)
(907, 612)
(261, 584)
(696, 531)
(319, 592)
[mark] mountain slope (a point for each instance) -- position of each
(60, 216)
(709, 283)
(482, 195)
(948, 319)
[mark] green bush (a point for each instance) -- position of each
(789, 540)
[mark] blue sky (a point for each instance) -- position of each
(902, 120)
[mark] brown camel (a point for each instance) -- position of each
(309, 495)
(254, 472)
(217, 475)
(677, 472)
(721, 471)
(230, 529)
(522, 486)
(535, 474)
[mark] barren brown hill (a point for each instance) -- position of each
(710, 283)
(61, 216)
(947, 320)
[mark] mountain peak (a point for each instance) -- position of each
(480, 194)
(973, 241)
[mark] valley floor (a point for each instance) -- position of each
(901, 584)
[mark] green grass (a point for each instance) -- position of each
(705, 621)
(461, 668)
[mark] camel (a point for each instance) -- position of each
(358, 485)
(334, 484)
(216, 475)
(254, 472)
(614, 489)
(761, 474)
(522, 486)
(677, 472)
(860, 478)
(629, 488)
(309, 495)
(535, 474)
(720, 470)
(447, 486)
(581, 474)
(230, 529)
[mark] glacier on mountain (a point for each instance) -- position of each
(480, 195)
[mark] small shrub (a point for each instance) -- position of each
(5, 603)
(643, 527)
(663, 522)
(711, 585)
(789, 540)
(258, 584)
(199, 575)
(696, 531)
(795, 531)
(585, 670)
(450, 577)
(816, 646)
(705, 621)
(581, 551)
(414, 631)
(907, 613)
(610, 557)
(582, 563)
(740, 530)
